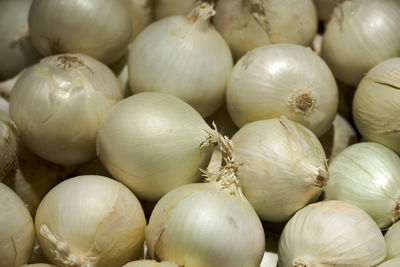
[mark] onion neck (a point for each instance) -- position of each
(200, 15)
(62, 252)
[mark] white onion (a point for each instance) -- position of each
(8, 145)
(17, 233)
(90, 221)
(390, 263)
(98, 28)
(284, 167)
(74, 93)
(392, 238)
(150, 263)
(207, 224)
(247, 24)
(359, 35)
(167, 8)
(152, 142)
(367, 175)
(283, 79)
(16, 48)
(141, 15)
(331, 233)
(339, 137)
(376, 105)
(34, 178)
(183, 56)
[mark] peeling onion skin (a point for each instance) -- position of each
(8, 145)
(283, 79)
(360, 35)
(16, 48)
(201, 225)
(101, 29)
(367, 175)
(59, 104)
(17, 233)
(376, 105)
(96, 221)
(331, 233)
(247, 24)
(284, 167)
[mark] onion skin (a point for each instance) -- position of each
(376, 105)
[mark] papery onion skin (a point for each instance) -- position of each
(183, 56)
(151, 143)
(201, 225)
(359, 35)
(340, 136)
(97, 218)
(8, 145)
(352, 238)
(150, 263)
(247, 24)
(283, 79)
(392, 237)
(17, 233)
(284, 167)
(74, 93)
(367, 175)
(101, 29)
(376, 105)
(16, 48)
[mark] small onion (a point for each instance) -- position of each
(150, 263)
(376, 105)
(90, 221)
(283, 79)
(392, 238)
(331, 233)
(339, 137)
(8, 145)
(59, 104)
(359, 35)
(167, 8)
(391, 263)
(183, 56)
(325, 8)
(98, 28)
(367, 175)
(152, 142)
(247, 24)
(17, 234)
(207, 224)
(284, 167)
(16, 48)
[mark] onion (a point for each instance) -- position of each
(183, 56)
(283, 79)
(90, 221)
(34, 178)
(98, 28)
(167, 8)
(331, 233)
(207, 224)
(8, 145)
(152, 142)
(376, 105)
(359, 35)
(16, 48)
(74, 93)
(339, 137)
(391, 263)
(247, 24)
(17, 231)
(284, 167)
(367, 175)
(150, 263)
(392, 238)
